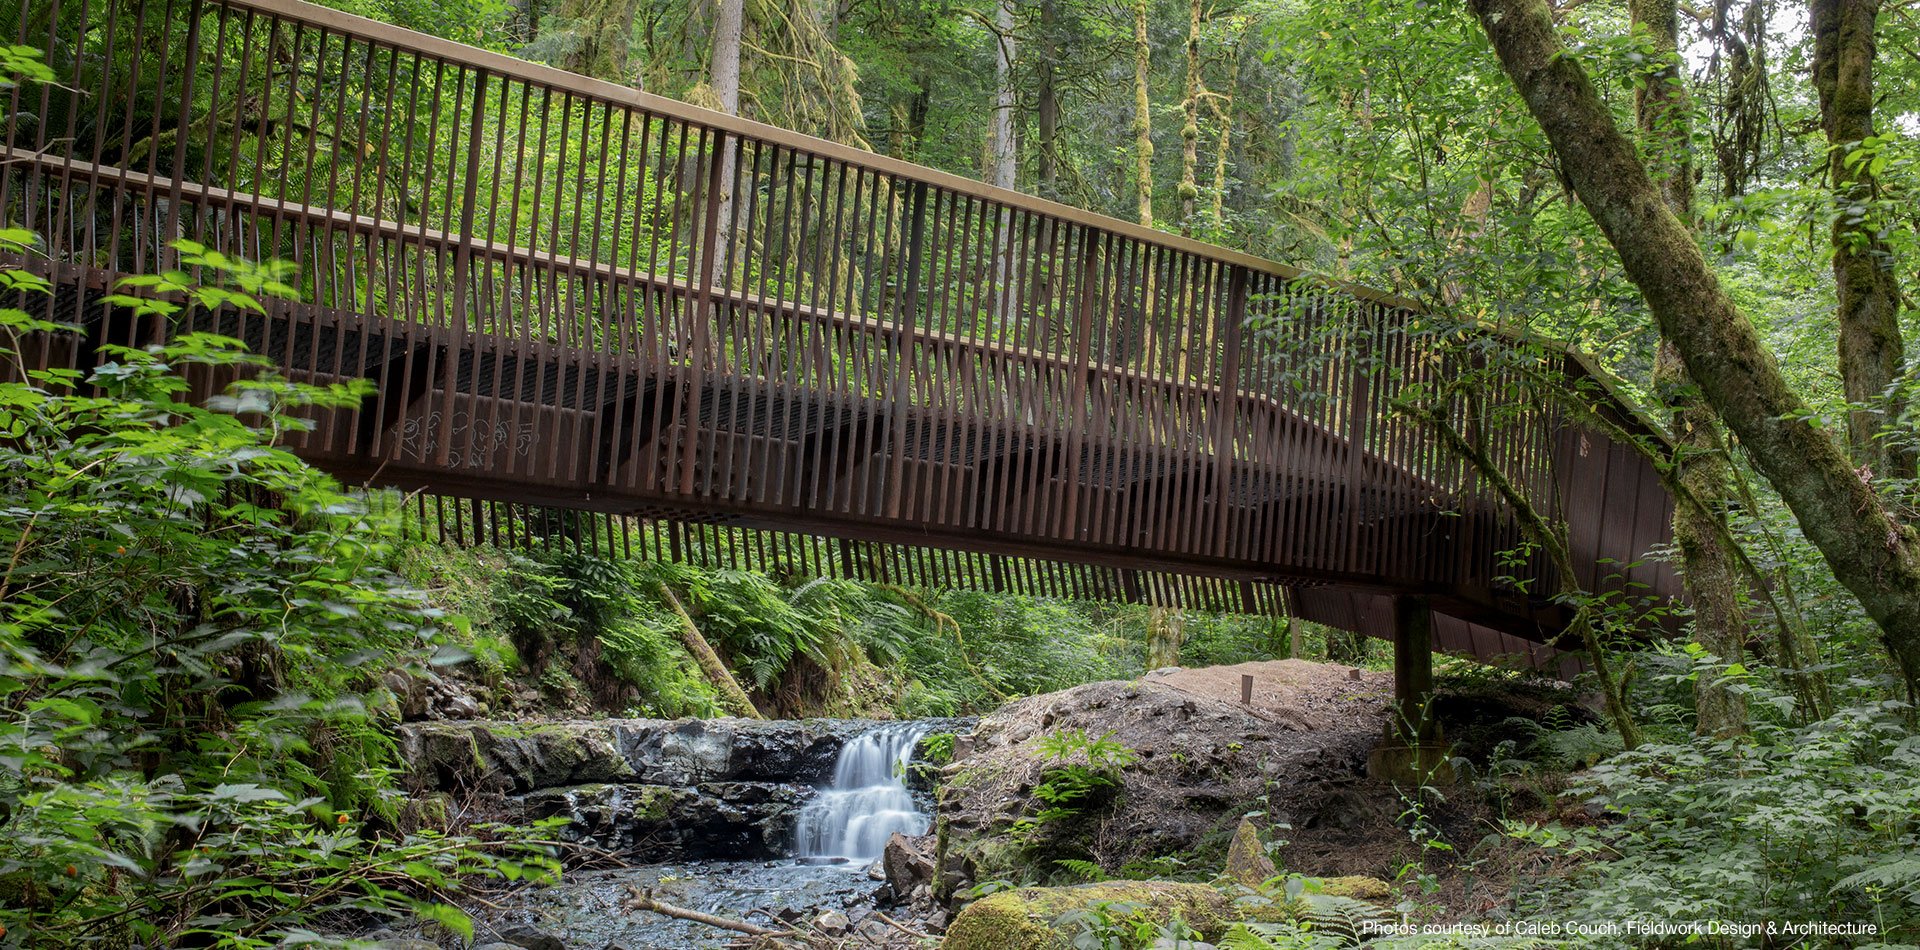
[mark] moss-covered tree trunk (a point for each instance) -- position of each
(1870, 551)
(1190, 129)
(1719, 622)
(1166, 634)
(1870, 345)
(598, 37)
(1047, 101)
(733, 698)
(1142, 115)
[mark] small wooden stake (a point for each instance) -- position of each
(1246, 689)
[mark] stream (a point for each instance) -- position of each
(838, 835)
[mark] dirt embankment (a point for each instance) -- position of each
(1201, 760)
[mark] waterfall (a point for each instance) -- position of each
(868, 800)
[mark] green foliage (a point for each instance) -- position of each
(580, 621)
(1084, 870)
(1080, 776)
(937, 748)
(1810, 822)
(192, 621)
(757, 625)
(1120, 925)
(1287, 935)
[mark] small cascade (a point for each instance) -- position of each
(868, 800)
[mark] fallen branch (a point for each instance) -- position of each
(903, 928)
(732, 696)
(642, 899)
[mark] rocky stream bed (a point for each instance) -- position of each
(784, 823)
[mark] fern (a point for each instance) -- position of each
(1578, 747)
(1280, 936)
(1085, 870)
(1344, 917)
(1464, 942)
(1901, 876)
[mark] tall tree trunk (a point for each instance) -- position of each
(1006, 150)
(723, 66)
(723, 84)
(1870, 551)
(600, 31)
(909, 118)
(1142, 116)
(1871, 349)
(1047, 101)
(1190, 130)
(1223, 113)
(1002, 150)
(1738, 140)
(1720, 625)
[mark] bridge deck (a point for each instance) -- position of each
(571, 293)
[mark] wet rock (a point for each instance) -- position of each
(403, 943)
(514, 758)
(832, 923)
(529, 937)
(907, 863)
(690, 751)
(583, 906)
(712, 819)
(449, 699)
(409, 694)
(511, 757)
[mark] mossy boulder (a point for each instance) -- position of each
(1026, 919)
(1357, 887)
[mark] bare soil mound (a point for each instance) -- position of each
(1303, 693)
(1202, 759)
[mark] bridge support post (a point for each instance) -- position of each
(1412, 751)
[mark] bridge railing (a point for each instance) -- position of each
(572, 291)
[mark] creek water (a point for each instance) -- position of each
(838, 834)
(868, 800)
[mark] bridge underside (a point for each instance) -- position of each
(528, 438)
(572, 295)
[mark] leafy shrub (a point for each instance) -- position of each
(1811, 822)
(580, 621)
(192, 621)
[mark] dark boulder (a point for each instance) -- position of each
(908, 863)
(711, 820)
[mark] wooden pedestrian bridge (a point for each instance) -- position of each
(573, 296)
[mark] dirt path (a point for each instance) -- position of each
(1301, 693)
